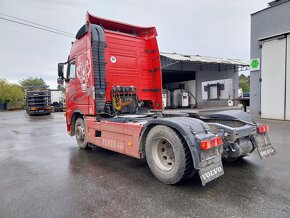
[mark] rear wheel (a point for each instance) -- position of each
(168, 157)
(80, 132)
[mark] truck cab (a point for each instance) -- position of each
(110, 61)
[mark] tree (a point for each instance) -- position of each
(10, 92)
(30, 81)
(244, 83)
(17, 93)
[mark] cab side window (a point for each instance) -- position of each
(71, 71)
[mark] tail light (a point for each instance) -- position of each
(211, 143)
(263, 129)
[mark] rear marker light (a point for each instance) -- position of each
(211, 143)
(263, 129)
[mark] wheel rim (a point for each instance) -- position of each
(163, 154)
(80, 133)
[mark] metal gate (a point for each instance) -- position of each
(287, 97)
(274, 79)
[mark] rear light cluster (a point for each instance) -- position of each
(211, 143)
(263, 129)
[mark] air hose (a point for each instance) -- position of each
(118, 104)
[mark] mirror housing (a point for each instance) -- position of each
(60, 70)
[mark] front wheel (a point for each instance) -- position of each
(168, 157)
(80, 132)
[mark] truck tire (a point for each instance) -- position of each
(168, 157)
(80, 132)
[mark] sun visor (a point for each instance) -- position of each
(146, 32)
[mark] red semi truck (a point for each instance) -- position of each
(114, 100)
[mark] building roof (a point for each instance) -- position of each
(276, 2)
(204, 59)
(271, 5)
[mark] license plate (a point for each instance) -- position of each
(41, 111)
(266, 151)
(211, 172)
(264, 146)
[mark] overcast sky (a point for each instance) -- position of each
(219, 28)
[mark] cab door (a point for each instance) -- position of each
(71, 86)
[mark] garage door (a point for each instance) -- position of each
(288, 81)
(273, 79)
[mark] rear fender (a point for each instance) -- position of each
(192, 130)
(233, 115)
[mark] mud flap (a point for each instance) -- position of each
(211, 172)
(264, 146)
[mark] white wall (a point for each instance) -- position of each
(226, 93)
(203, 76)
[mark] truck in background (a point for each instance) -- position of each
(38, 100)
(114, 100)
(57, 100)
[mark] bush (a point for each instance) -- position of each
(244, 83)
(10, 92)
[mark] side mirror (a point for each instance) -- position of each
(60, 81)
(60, 70)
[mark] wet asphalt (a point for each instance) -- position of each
(44, 174)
